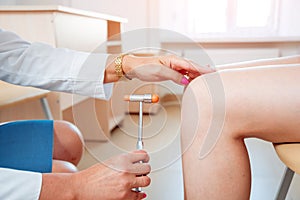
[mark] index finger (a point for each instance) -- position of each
(139, 155)
(190, 66)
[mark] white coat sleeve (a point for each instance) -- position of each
(57, 69)
(17, 184)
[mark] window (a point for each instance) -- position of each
(207, 16)
(196, 18)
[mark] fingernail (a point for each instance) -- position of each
(144, 195)
(184, 81)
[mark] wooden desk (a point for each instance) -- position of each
(12, 96)
(74, 29)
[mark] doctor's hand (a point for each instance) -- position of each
(112, 180)
(159, 68)
(115, 179)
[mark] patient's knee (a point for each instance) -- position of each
(196, 110)
(68, 142)
(204, 99)
(229, 98)
(204, 111)
(59, 166)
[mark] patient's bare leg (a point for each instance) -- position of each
(68, 147)
(259, 102)
(61, 166)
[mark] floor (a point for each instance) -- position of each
(162, 141)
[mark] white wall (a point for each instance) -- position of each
(140, 13)
(134, 10)
(289, 12)
(147, 13)
(7, 2)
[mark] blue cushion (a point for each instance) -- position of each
(27, 145)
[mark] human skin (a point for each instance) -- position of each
(261, 100)
(115, 179)
(111, 180)
(156, 68)
(68, 146)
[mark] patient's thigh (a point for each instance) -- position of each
(261, 102)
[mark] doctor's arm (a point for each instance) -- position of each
(40, 65)
(65, 70)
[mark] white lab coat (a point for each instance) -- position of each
(50, 68)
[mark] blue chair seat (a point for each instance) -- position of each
(27, 145)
